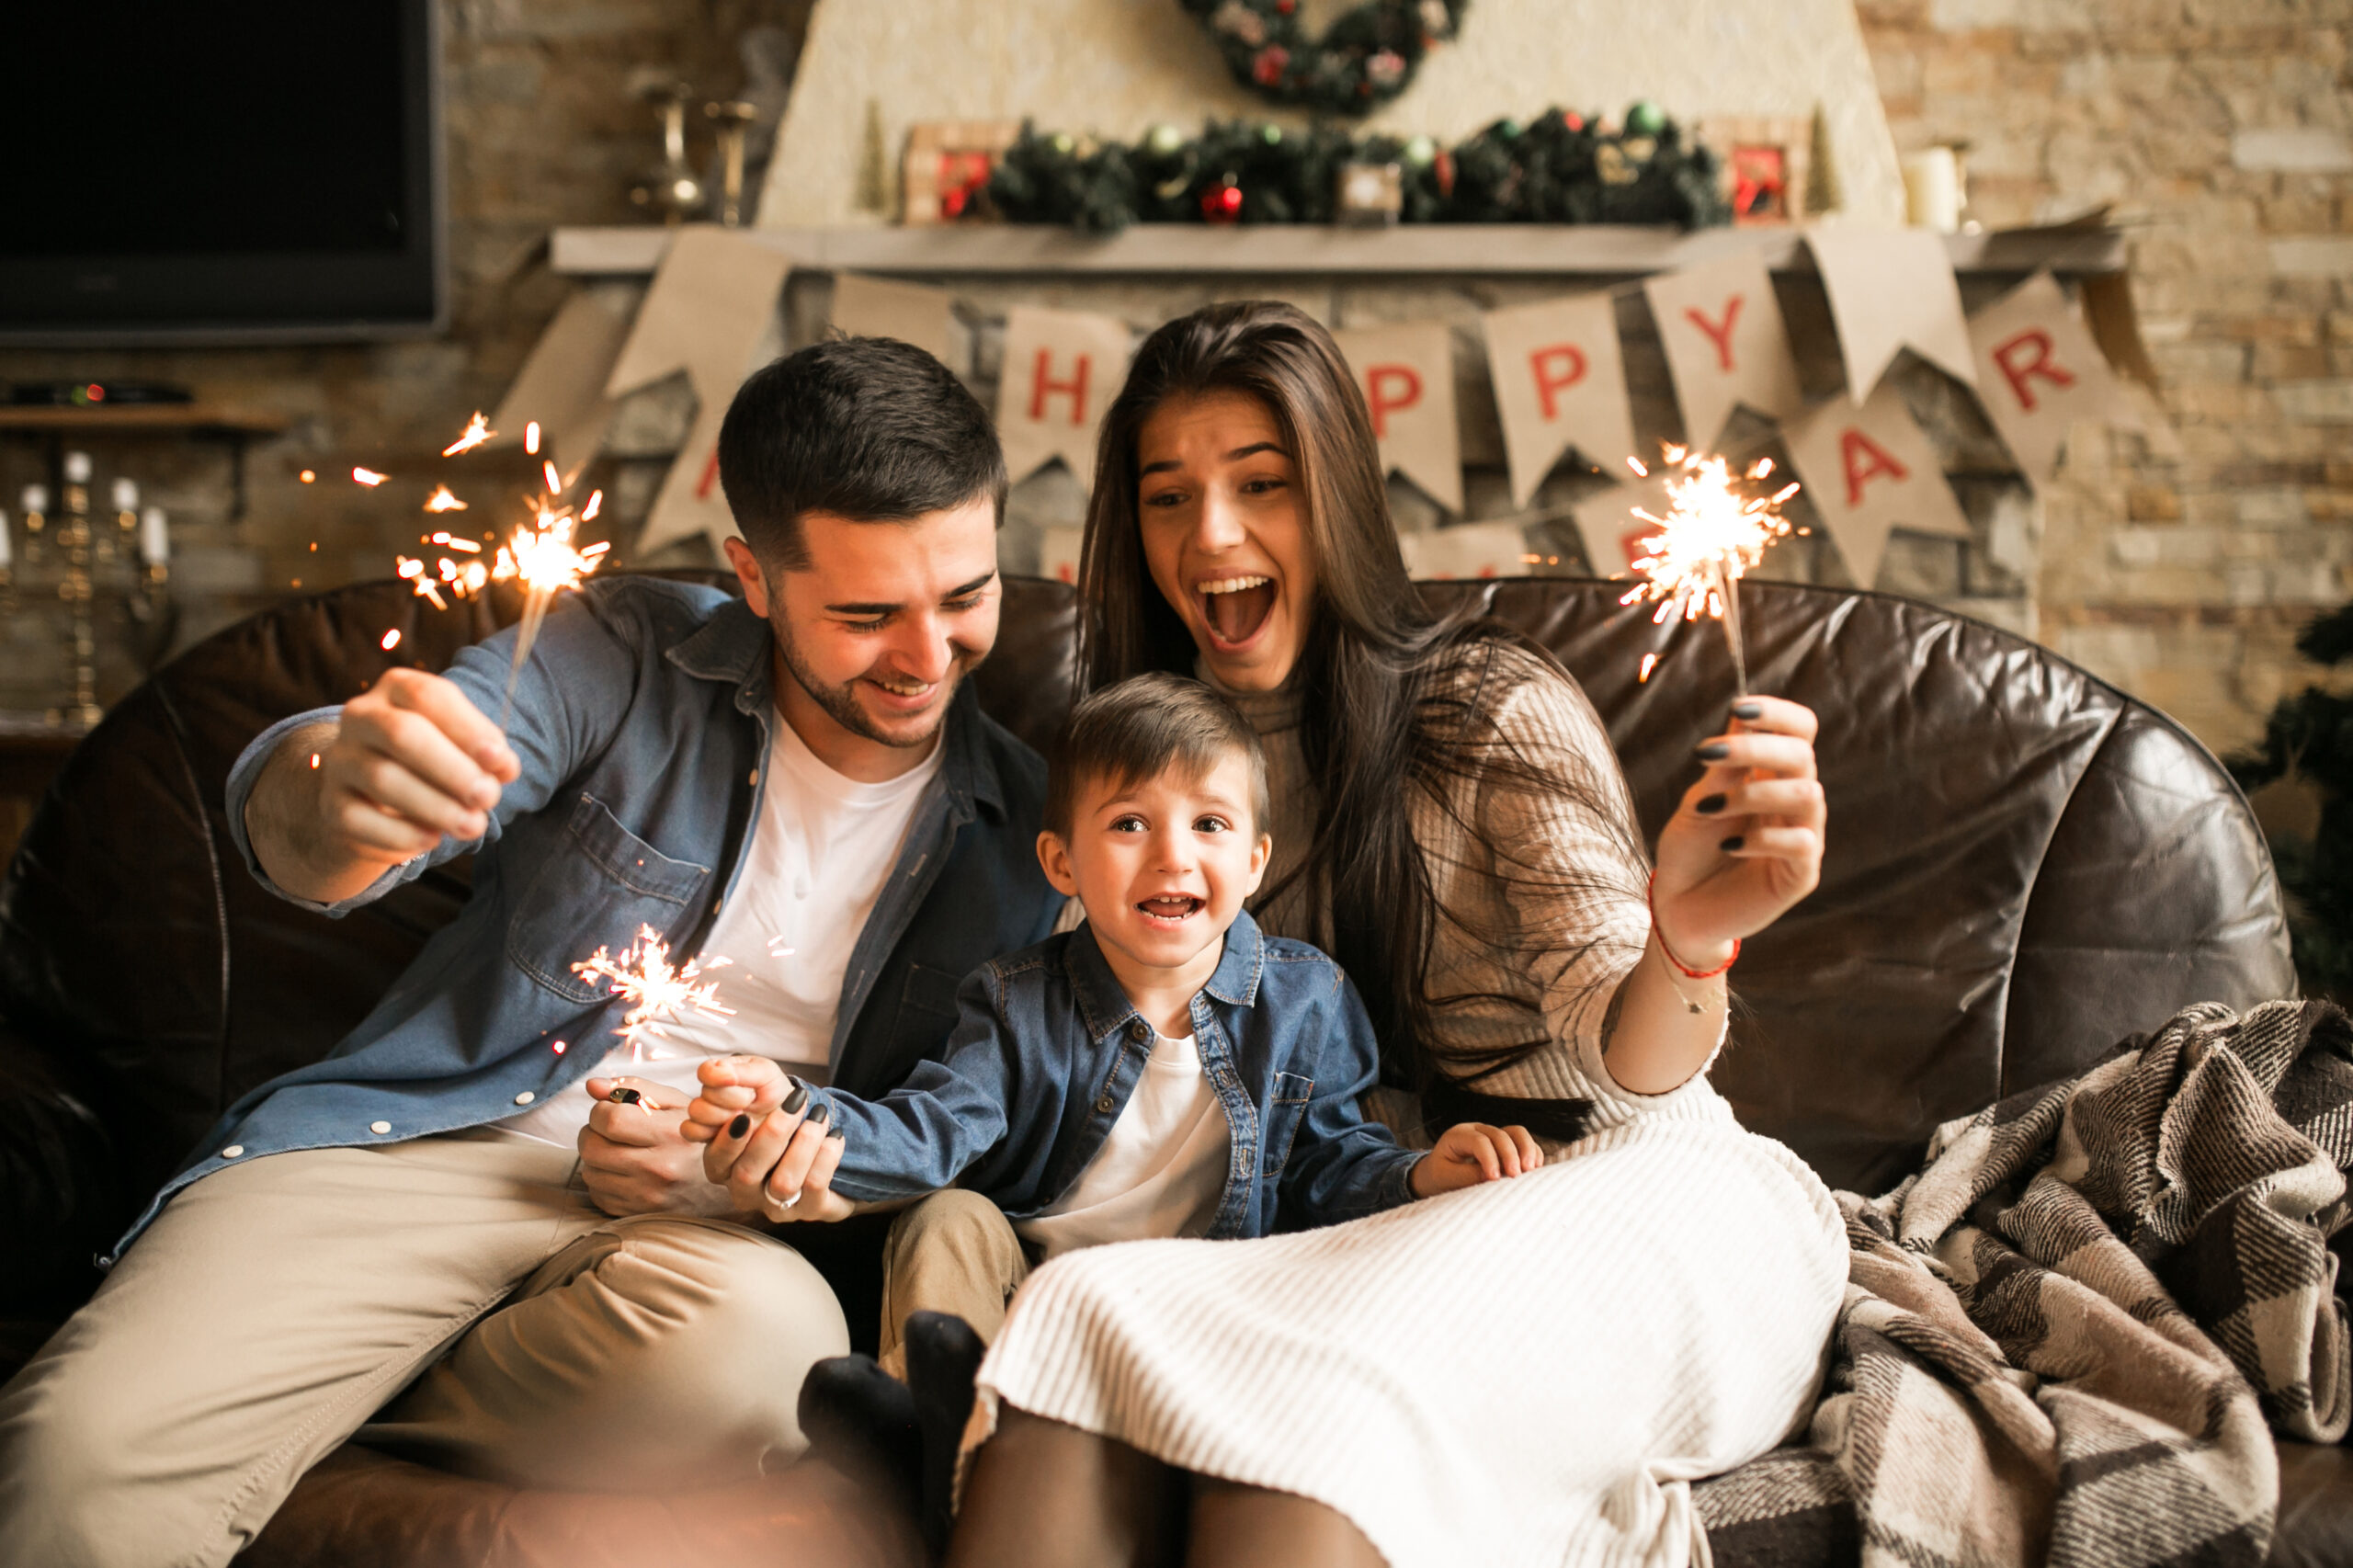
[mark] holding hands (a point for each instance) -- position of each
(1745, 844)
(1472, 1151)
(766, 1145)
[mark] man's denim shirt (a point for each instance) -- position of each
(642, 724)
(1048, 1049)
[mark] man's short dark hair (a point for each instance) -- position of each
(868, 429)
(1141, 728)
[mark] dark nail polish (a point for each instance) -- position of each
(795, 1100)
(821, 1115)
(838, 1135)
(1729, 845)
(737, 1128)
(1709, 805)
(1714, 751)
(1748, 711)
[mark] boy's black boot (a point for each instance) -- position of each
(943, 1359)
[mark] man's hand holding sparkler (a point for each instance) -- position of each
(770, 1153)
(412, 761)
(633, 1160)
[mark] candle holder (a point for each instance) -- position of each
(735, 121)
(671, 187)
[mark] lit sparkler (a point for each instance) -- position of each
(658, 994)
(1709, 537)
(477, 431)
(442, 501)
(369, 477)
(545, 562)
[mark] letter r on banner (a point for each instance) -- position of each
(1865, 459)
(1718, 333)
(1043, 386)
(1556, 368)
(1391, 389)
(2018, 369)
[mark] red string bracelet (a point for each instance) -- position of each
(1649, 896)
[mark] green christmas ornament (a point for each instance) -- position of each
(1063, 142)
(1271, 135)
(1164, 140)
(1645, 118)
(1420, 153)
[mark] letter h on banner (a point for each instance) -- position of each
(1060, 368)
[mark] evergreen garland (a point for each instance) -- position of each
(2311, 735)
(1364, 59)
(1565, 168)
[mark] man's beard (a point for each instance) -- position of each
(841, 704)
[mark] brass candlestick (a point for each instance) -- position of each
(671, 188)
(735, 121)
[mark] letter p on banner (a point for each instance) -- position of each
(1406, 374)
(2038, 373)
(1060, 369)
(1559, 383)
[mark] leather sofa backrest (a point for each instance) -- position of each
(2023, 864)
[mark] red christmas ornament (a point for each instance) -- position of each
(1267, 69)
(1573, 121)
(1286, 7)
(1221, 203)
(1442, 165)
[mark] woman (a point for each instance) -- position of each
(1529, 1372)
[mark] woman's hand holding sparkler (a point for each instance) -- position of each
(767, 1148)
(1745, 844)
(412, 762)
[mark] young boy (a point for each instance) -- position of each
(1163, 1070)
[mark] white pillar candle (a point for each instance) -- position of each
(1932, 189)
(126, 495)
(154, 538)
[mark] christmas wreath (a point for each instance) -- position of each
(1364, 59)
(1564, 168)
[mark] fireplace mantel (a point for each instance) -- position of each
(1459, 250)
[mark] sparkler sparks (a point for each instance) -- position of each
(442, 501)
(658, 994)
(554, 481)
(532, 438)
(369, 477)
(392, 640)
(477, 431)
(1712, 535)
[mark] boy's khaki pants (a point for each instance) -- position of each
(952, 1252)
(274, 1307)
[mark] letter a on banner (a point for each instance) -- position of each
(1725, 343)
(1559, 383)
(1406, 374)
(2039, 372)
(710, 306)
(1870, 470)
(1062, 369)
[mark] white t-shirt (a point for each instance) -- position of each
(1161, 1170)
(820, 853)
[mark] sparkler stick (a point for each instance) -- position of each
(1709, 537)
(543, 559)
(658, 994)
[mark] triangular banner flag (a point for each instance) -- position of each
(1870, 470)
(1725, 343)
(877, 307)
(1466, 549)
(560, 387)
(1406, 374)
(1892, 288)
(709, 306)
(2039, 372)
(1559, 382)
(1061, 368)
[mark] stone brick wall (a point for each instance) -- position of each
(2222, 131)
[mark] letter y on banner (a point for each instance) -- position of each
(2039, 372)
(1406, 374)
(1559, 383)
(1062, 369)
(1868, 471)
(1725, 341)
(710, 304)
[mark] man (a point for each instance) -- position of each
(454, 1212)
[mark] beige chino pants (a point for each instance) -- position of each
(954, 1252)
(274, 1308)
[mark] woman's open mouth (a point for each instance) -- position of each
(1236, 608)
(1172, 909)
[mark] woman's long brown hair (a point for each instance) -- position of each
(1390, 694)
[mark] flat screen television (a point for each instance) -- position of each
(247, 171)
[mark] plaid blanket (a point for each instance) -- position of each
(2064, 1337)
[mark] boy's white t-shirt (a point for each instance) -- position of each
(820, 853)
(1161, 1170)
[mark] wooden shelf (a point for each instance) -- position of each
(159, 418)
(1419, 250)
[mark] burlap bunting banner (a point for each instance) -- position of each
(877, 307)
(1890, 289)
(1406, 374)
(1559, 382)
(1466, 549)
(1062, 369)
(1726, 345)
(1870, 470)
(562, 385)
(707, 315)
(2039, 372)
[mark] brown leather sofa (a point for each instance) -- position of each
(2024, 866)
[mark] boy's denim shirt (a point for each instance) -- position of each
(1048, 1049)
(642, 723)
